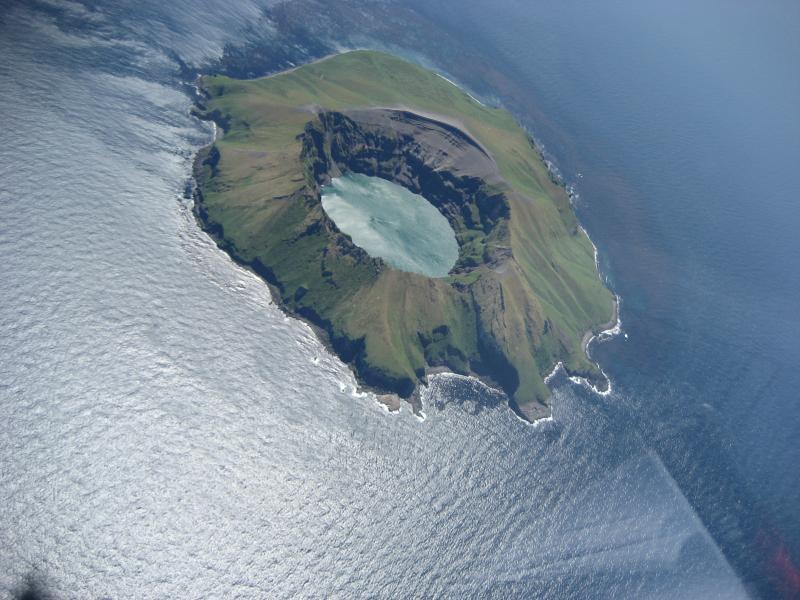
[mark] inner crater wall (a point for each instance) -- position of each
(428, 157)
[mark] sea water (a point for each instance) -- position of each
(393, 223)
(678, 124)
(166, 431)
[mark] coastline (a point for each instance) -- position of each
(613, 329)
(613, 326)
(604, 332)
(530, 413)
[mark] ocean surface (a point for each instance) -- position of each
(165, 431)
(391, 222)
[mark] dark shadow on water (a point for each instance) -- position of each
(33, 588)
(470, 395)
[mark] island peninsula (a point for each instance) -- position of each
(525, 289)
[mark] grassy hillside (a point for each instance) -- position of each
(510, 321)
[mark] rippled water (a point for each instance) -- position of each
(391, 222)
(166, 431)
(678, 122)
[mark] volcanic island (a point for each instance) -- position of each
(523, 294)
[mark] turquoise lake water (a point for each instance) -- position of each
(393, 223)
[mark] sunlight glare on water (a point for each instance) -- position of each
(166, 431)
